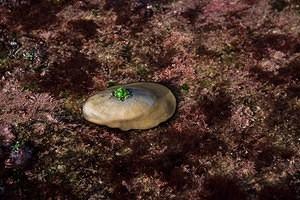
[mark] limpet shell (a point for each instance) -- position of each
(149, 105)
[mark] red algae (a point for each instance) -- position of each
(232, 65)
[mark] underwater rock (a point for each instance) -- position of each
(18, 157)
(133, 106)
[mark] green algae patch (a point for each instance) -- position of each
(121, 93)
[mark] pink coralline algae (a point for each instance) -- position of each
(217, 8)
(6, 135)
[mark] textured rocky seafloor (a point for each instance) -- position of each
(234, 67)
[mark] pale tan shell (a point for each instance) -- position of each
(149, 105)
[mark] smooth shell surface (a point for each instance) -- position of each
(149, 105)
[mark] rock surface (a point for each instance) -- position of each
(148, 106)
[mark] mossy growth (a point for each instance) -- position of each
(121, 93)
(30, 55)
(185, 87)
(30, 86)
(4, 64)
(95, 12)
(142, 70)
(126, 52)
(17, 146)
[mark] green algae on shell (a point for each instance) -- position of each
(148, 105)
